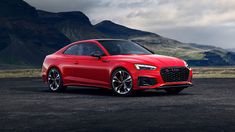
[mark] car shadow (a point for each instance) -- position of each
(159, 93)
(95, 91)
(108, 92)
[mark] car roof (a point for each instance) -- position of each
(97, 40)
(107, 39)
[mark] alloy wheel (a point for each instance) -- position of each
(54, 79)
(122, 82)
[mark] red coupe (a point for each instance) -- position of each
(120, 65)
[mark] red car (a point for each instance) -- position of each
(120, 65)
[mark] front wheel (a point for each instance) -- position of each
(173, 90)
(55, 82)
(122, 83)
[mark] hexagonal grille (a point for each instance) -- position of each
(175, 74)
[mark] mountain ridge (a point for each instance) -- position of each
(16, 8)
(26, 37)
(74, 25)
(231, 50)
(115, 30)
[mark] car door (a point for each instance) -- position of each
(70, 60)
(89, 70)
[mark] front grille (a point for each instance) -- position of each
(175, 74)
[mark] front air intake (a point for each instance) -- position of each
(175, 74)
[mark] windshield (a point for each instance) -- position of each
(122, 47)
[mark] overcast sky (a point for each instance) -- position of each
(209, 22)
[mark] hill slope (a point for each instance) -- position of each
(74, 25)
(24, 39)
(195, 54)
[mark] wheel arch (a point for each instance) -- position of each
(56, 67)
(119, 67)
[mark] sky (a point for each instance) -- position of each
(210, 22)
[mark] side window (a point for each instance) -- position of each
(72, 50)
(89, 49)
(83, 49)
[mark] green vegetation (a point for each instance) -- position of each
(20, 73)
(178, 50)
(198, 72)
(214, 72)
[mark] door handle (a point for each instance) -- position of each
(75, 63)
(105, 60)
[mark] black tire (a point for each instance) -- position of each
(54, 80)
(173, 91)
(122, 82)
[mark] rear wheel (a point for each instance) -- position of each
(55, 82)
(122, 82)
(174, 90)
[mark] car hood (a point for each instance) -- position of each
(156, 60)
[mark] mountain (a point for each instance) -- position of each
(27, 35)
(231, 50)
(74, 25)
(114, 30)
(24, 38)
(16, 9)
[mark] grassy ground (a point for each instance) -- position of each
(214, 72)
(20, 73)
(198, 72)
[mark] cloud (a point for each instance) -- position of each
(217, 36)
(213, 19)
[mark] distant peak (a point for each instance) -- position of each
(109, 22)
(119, 31)
(68, 15)
(77, 17)
(73, 13)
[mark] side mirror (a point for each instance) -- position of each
(97, 54)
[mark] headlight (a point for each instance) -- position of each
(145, 67)
(186, 64)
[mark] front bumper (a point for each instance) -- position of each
(175, 86)
(159, 81)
